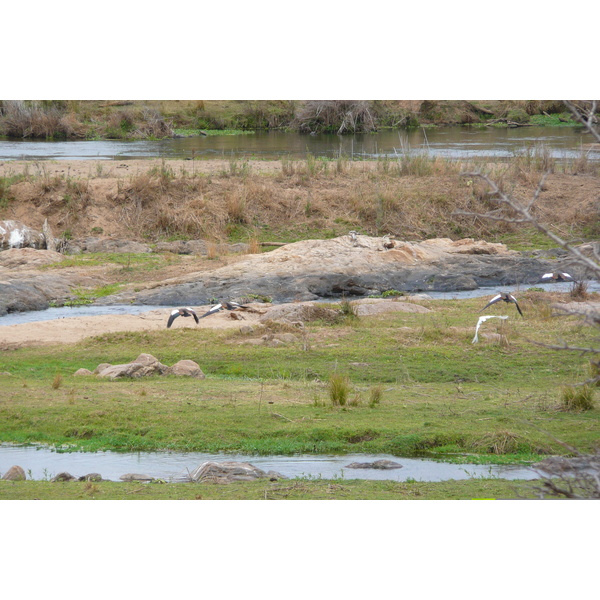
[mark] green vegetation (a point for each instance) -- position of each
(440, 395)
(156, 119)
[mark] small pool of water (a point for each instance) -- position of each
(43, 463)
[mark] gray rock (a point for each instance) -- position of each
(187, 368)
(143, 366)
(64, 476)
(81, 372)
(136, 477)
(227, 471)
(91, 477)
(14, 234)
(378, 464)
(15, 473)
(101, 368)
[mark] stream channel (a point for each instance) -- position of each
(42, 463)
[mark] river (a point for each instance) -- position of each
(563, 143)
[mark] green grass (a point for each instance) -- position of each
(441, 395)
(293, 489)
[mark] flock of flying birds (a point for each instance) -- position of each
(501, 296)
(190, 312)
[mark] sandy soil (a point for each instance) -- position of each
(74, 329)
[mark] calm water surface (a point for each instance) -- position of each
(450, 142)
(44, 463)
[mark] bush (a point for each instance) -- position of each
(518, 115)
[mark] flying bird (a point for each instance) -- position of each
(181, 312)
(557, 276)
(224, 306)
(483, 320)
(506, 297)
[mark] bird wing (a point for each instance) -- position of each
(547, 276)
(190, 312)
(492, 301)
(567, 276)
(213, 310)
(514, 300)
(174, 315)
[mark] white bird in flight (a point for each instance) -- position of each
(482, 320)
(557, 276)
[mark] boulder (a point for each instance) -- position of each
(64, 476)
(90, 477)
(142, 366)
(225, 472)
(101, 368)
(136, 477)
(187, 368)
(14, 234)
(81, 372)
(15, 473)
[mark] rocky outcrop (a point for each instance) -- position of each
(227, 471)
(339, 267)
(15, 473)
(23, 289)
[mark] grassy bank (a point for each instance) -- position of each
(153, 119)
(416, 385)
(413, 198)
(354, 489)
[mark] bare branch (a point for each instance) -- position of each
(588, 123)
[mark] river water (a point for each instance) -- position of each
(563, 143)
(92, 310)
(43, 463)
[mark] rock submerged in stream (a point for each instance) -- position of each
(228, 471)
(378, 464)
